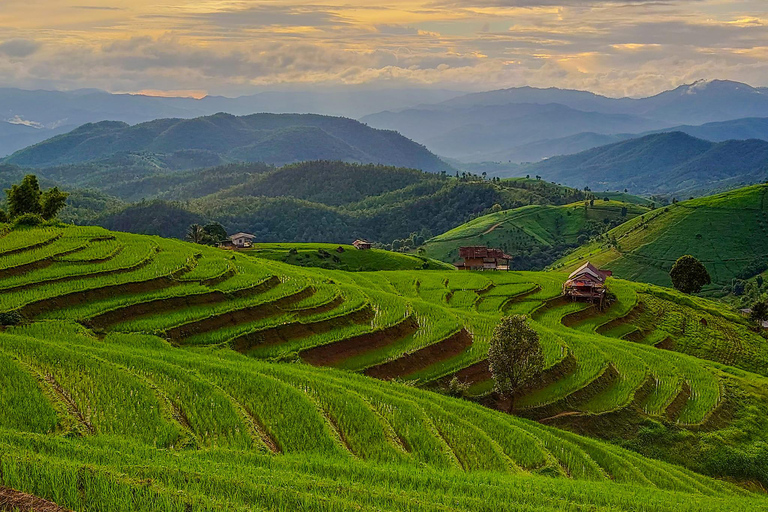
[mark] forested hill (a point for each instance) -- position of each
(320, 201)
(271, 138)
(673, 163)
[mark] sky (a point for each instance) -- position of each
(235, 47)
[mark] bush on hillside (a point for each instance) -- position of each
(10, 318)
(28, 220)
(689, 275)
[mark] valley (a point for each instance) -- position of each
(345, 278)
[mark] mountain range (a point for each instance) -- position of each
(28, 117)
(664, 163)
(528, 124)
(207, 141)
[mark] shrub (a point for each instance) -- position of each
(457, 388)
(28, 220)
(689, 275)
(10, 318)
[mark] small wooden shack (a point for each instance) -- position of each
(239, 241)
(482, 258)
(362, 245)
(587, 283)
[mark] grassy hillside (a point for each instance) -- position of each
(325, 202)
(726, 232)
(534, 235)
(189, 359)
(330, 256)
(667, 163)
(269, 138)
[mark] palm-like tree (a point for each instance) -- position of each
(196, 233)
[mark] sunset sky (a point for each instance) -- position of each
(617, 48)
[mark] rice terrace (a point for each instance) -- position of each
(384, 256)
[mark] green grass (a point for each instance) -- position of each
(343, 257)
(529, 228)
(259, 429)
(726, 232)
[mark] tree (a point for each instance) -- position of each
(51, 202)
(196, 234)
(624, 211)
(3, 216)
(514, 356)
(215, 233)
(759, 313)
(25, 197)
(689, 275)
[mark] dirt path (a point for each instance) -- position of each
(13, 500)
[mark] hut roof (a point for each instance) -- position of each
(482, 252)
(589, 269)
(242, 235)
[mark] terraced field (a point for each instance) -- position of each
(140, 373)
(531, 228)
(727, 232)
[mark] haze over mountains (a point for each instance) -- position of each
(672, 163)
(223, 138)
(656, 145)
(527, 124)
(28, 117)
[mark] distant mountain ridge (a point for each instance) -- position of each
(55, 112)
(271, 138)
(529, 124)
(666, 163)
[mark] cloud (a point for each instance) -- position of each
(19, 48)
(97, 7)
(267, 16)
(614, 47)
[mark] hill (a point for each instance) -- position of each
(147, 359)
(488, 132)
(723, 231)
(667, 163)
(344, 257)
(331, 202)
(738, 129)
(534, 235)
(528, 124)
(269, 138)
(37, 115)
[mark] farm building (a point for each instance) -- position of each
(363, 245)
(587, 283)
(239, 241)
(747, 312)
(482, 258)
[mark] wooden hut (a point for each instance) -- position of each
(362, 245)
(482, 258)
(587, 283)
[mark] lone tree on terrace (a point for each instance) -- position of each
(515, 356)
(689, 275)
(27, 198)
